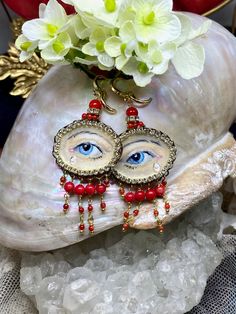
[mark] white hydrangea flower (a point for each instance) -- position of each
(157, 57)
(58, 49)
(106, 12)
(153, 20)
(139, 70)
(80, 29)
(52, 21)
(26, 46)
(121, 47)
(138, 37)
(189, 58)
(95, 47)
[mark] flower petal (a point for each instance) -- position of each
(166, 28)
(160, 68)
(81, 30)
(164, 6)
(42, 8)
(51, 56)
(112, 46)
(98, 10)
(98, 35)
(121, 62)
(24, 55)
(127, 32)
(186, 28)
(90, 49)
(143, 80)
(55, 13)
(106, 60)
(189, 60)
(35, 30)
(201, 30)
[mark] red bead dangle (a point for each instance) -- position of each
(85, 164)
(144, 187)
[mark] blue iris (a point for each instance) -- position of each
(85, 148)
(136, 158)
(88, 149)
(140, 158)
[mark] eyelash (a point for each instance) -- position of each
(130, 167)
(96, 158)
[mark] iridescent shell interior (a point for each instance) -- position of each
(196, 114)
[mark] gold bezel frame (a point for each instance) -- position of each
(86, 124)
(158, 135)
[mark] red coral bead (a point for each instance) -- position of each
(91, 228)
(103, 205)
(140, 196)
(101, 188)
(160, 191)
(89, 116)
(136, 212)
(140, 124)
(130, 125)
(167, 206)
(79, 189)
(156, 212)
(66, 206)
(126, 215)
(132, 111)
(125, 227)
(84, 116)
(129, 197)
(161, 229)
(150, 194)
(95, 117)
(90, 208)
(69, 187)
(90, 189)
(81, 210)
(95, 104)
(63, 179)
(81, 227)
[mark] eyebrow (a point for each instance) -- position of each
(86, 132)
(141, 141)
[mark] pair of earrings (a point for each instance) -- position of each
(90, 153)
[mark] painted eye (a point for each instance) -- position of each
(89, 149)
(140, 158)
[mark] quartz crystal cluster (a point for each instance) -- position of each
(141, 272)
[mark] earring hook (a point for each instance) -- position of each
(128, 96)
(101, 94)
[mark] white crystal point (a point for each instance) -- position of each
(196, 114)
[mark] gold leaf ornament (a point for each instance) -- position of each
(26, 74)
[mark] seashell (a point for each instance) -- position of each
(196, 114)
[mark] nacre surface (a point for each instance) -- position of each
(195, 113)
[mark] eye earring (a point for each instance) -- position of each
(85, 163)
(148, 155)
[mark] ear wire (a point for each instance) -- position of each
(128, 96)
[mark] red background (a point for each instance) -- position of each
(28, 9)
